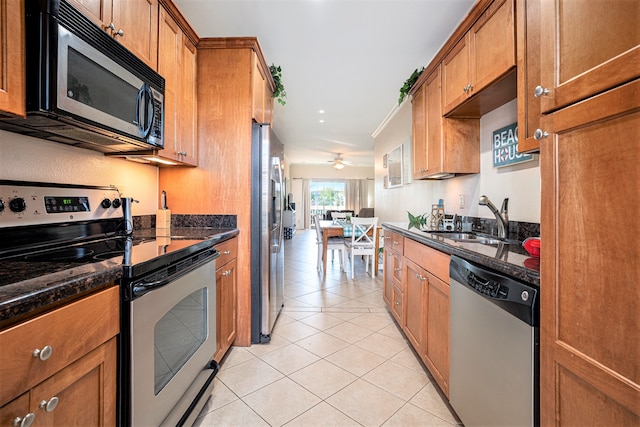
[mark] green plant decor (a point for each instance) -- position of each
(408, 84)
(417, 221)
(279, 93)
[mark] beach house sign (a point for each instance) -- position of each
(505, 147)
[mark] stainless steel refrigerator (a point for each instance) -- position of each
(267, 251)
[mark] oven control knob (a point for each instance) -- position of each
(116, 203)
(106, 203)
(17, 205)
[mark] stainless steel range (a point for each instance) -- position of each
(168, 331)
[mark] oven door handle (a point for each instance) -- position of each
(142, 288)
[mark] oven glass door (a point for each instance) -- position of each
(173, 338)
(92, 86)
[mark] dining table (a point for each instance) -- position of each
(342, 229)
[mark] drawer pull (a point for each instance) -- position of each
(49, 405)
(226, 273)
(226, 253)
(397, 269)
(26, 421)
(43, 354)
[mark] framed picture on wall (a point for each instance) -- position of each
(394, 164)
(384, 161)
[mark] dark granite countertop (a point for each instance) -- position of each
(511, 260)
(28, 289)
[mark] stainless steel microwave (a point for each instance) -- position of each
(83, 87)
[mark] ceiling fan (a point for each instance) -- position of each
(339, 162)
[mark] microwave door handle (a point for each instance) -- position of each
(144, 101)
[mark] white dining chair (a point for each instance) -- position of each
(339, 215)
(363, 242)
(335, 243)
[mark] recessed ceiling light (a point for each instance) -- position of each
(320, 121)
(321, 111)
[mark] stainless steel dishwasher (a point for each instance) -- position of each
(494, 335)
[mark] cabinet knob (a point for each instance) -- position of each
(118, 33)
(396, 269)
(226, 273)
(111, 27)
(397, 303)
(539, 91)
(26, 421)
(538, 134)
(44, 353)
(226, 253)
(49, 405)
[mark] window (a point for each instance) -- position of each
(326, 195)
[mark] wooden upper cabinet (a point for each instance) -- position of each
(586, 50)
(177, 64)
(451, 145)
(528, 27)
(419, 134)
(12, 57)
(262, 95)
(134, 23)
(482, 58)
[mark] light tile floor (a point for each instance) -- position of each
(336, 358)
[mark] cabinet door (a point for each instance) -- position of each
(226, 289)
(456, 74)
(528, 17)
(388, 277)
(17, 409)
(259, 83)
(85, 392)
(587, 50)
(493, 47)
(419, 123)
(396, 306)
(188, 104)
(436, 353)
(169, 57)
(12, 58)
(138, 20)
(590, 329)
(99, 11)
(415, 301)
(433, 106)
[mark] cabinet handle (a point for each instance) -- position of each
(119, 33)
(397, 303)
(539, 91)
(397, 269)
(386, 237)
(465, 89)
(26, 421)
(420, 276)
(395, 242)
(49, 405)
(538, 134)
(226, 273)
(111, 27)
(226, 253)
(43, 354)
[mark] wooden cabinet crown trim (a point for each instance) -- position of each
(177, 16)
(474, 14)
(239, 43)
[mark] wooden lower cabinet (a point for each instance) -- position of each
(226, 296)
(393, 273)
(425, 307)
(590, 299)
(76, 383)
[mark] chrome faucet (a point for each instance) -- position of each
(502, 217)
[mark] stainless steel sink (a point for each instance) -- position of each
(471, 237)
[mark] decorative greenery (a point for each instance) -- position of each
(279, 93)
(408, 84)
(418, 221)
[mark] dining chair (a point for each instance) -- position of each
(339, 215)
(363, 242)
(334, 243)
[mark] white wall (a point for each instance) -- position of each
(23, 158)
(521, 183)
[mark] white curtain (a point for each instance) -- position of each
(306, 202)
(356, 192)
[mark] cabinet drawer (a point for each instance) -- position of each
(432, 260)
(394, 241)
(228, 251)
(71, 332)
